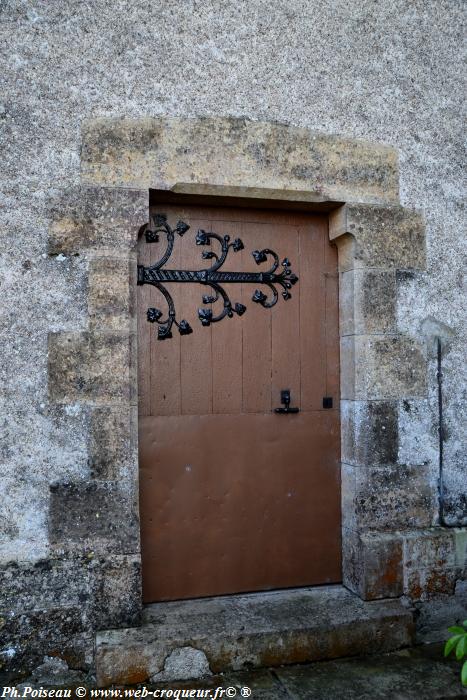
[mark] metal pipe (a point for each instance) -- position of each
(439, 376)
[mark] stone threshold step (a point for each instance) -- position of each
(187, 639)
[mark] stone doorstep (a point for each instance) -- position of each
(182, 640)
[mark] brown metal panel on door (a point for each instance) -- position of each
(234, 496)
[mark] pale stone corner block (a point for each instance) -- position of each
(95, 515)
(386, 498)
(373, 564)
(111, 282)
(113, 449)
(382, 367)
(430, 563)
(161, 152)
(90, 367)
(369, 432)
(100, 220)
(367, 302)
(388, 237)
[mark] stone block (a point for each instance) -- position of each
(460, 543)
(384, 237)
(90, 367)
(111, 285)
(372, 564)
(162, 152)
(98, 517)
(113, 443)
(106, 589)
(97, 219)
(369, 432)
(53, 607)
(430, 563)
(27, 636)
(367, 302)
(387, 498)
(382, 367)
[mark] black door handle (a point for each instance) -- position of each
(285, 399)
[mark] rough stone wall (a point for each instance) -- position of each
(389, 73)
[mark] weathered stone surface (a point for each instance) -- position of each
(387, 498)
(369, 432)
(373, 564)
(94, 516)
(382, 367)
(104, 221)
(160, 153)
(113, 443)
(264, 629)
(53, 672)
(433, 617)
(53, 607)
(184, 662)
(105, 589)
(25, 636)
(111, 291)
(90, 367)
(460, 543)
(384, 237)
(430, 566)
(367, 302)
(409, 674)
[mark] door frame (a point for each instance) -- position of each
(381, 367)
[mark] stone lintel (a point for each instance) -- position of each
(163, 152)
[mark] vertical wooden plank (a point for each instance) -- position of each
(165, 354)
(227, 335)
(312, 313)
(196, 355)
(285, 319)
(256, 351)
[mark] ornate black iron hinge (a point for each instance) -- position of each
(157, 276)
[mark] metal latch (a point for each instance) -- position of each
(285, 399)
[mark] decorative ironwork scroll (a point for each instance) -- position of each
(212, 277)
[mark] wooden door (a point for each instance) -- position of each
(234, 496)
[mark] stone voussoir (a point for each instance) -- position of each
(253, 630)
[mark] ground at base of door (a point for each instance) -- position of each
(417, 673)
